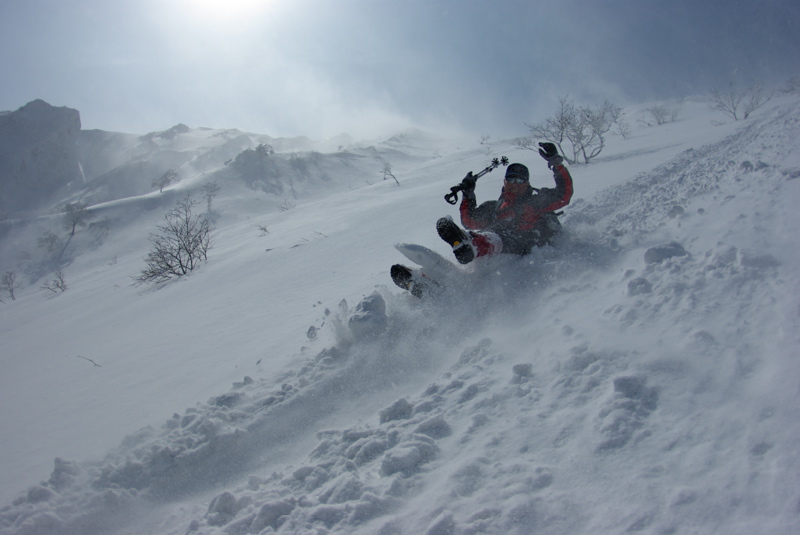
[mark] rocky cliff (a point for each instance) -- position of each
(38, 155)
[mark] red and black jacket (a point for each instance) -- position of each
(515, 216)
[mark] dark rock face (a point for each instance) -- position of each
(38, 154)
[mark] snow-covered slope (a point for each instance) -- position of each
(641, 376)
(117, 166)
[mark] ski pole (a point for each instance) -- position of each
(452, 197)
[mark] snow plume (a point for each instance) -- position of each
(641, 376)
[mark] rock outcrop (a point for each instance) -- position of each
(38, 154)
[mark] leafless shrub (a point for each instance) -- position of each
(620, 124)
(554, 129)
(210, 190)
(740, 103)
(180, 246)
(660, 114)
(581, 129)
(387, 173)
(792, 86)
(58, 284)
(9, 283)
(286, 205)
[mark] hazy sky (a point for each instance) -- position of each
(320, 67)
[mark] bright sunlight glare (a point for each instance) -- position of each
(226, 10)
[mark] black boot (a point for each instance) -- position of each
(457, 238)
(404, 278)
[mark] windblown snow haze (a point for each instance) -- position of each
(640, 375)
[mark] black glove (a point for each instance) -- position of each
(550, 153)
(548, 150)
(468, 184)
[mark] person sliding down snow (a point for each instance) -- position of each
(521, 219)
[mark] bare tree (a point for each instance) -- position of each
(75, 215)
(589, 135)
(553, 129)
(581, 129)
(180, 246)
(387, 172)
(660, 114)
(9, 283)
(739, 104)
(210, 190)
(58, 284)
(286, 205)
(165, 180)
(792, 86)
(617, 115)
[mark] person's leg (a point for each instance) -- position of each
(468, 246)
(458, 239)
(486, 243)
(412, 280)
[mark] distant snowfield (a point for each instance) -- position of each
(641, 376)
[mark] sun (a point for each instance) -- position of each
(225, 10)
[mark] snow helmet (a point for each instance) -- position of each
(517, 171)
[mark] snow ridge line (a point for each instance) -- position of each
(642, 204)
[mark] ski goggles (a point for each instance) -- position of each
(515, 180)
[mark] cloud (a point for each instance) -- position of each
(316, 67)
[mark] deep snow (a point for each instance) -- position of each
(601, 386)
